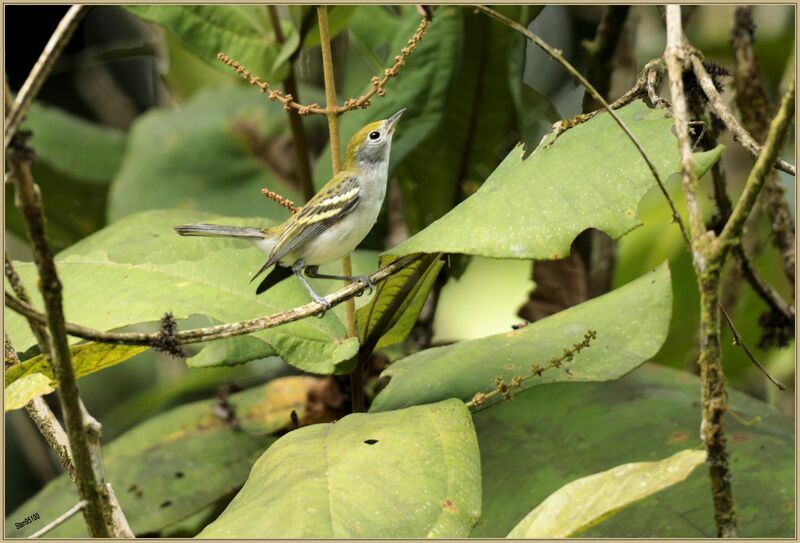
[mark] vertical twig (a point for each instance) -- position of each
(356, 378)
(295, 122)
(41, 69)
(676, 56)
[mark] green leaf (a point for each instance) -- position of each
(138, 268)
(242, 32)
(176, 464)
(631, 324)
(548, 437)
(24, 389)
(338, 16)
(215, 153)
(591, 177)
(409, 473)
(73, 146)
(588, 501)
(394, 309)
(86, 358)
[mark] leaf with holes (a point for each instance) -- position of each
(86, 358)
(532, 208)
(589, 500)
(404, 474)
(177, 463)
(631, 324)
(138, 268)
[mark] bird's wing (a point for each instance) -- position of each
(335, 200)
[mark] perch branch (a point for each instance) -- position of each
(723, 112)
(41, 70)
(220, 331)
(60, 520)
(295, 123)
(362, 102)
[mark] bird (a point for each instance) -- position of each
(331, 224)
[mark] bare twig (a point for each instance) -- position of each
(42, 69)
(220, 331)
(296, 124)
(362, 102)
(60, 520)
(556, 55)
(761, 287)
(280, 200)
(712, 379)
(737, 340)
(723, 112)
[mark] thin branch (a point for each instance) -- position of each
(601, 51)
(88, 470)
(38, 328)
(298, 132)
(737, 340)
(220, 331)
(60, 520)
(758, 175)
(362, 102)
(41, 70)
(724, 113)
(761, 287)
(557, 56)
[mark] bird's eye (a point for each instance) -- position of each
(375, 136)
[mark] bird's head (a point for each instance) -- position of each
(370, 146)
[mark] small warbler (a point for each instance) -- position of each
(331, 224)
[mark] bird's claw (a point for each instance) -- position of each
(367, 282)
(324, 303)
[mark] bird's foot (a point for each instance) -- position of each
(323, 302)
(367, 282)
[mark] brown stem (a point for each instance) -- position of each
(66, 27)
(356, 378)
(295, 122)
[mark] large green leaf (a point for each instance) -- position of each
(409, 473)
(591, 177)
(394, 309)
(178, 463)
(214, 153)
(86, 358)
(549, 436)
(138, 268)
(243, 32)
(631, 324)
(587, 501)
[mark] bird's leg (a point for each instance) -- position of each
(311, 271)
(297, 268)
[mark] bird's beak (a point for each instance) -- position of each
(392, 121)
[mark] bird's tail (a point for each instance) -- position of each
(219, 230)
